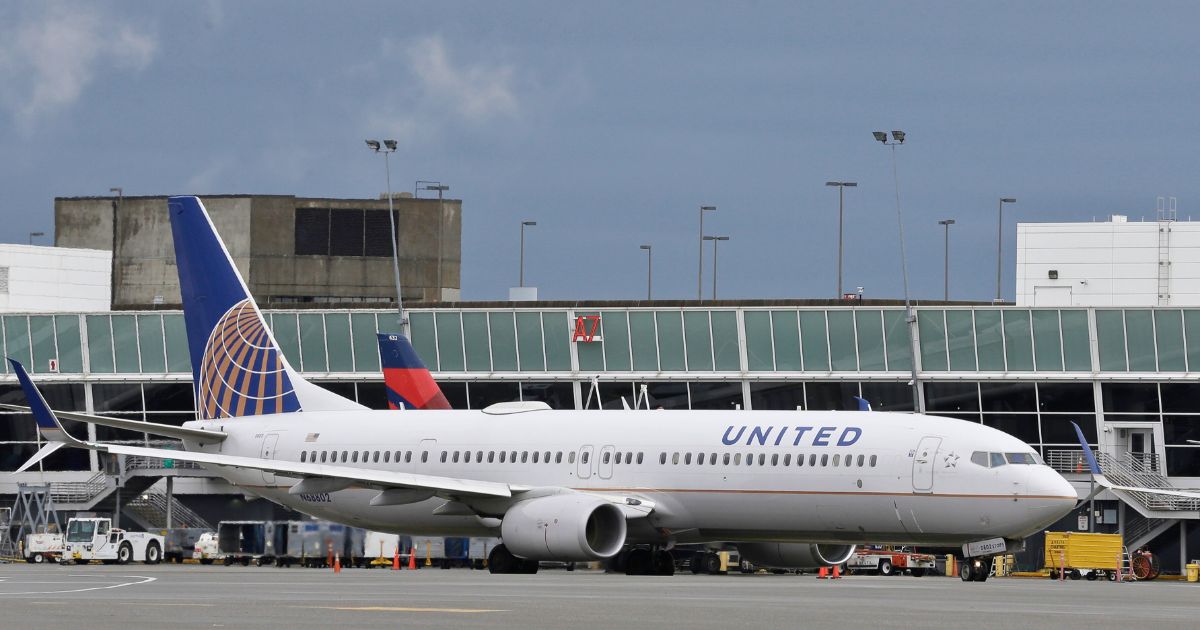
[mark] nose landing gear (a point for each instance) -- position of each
(974, 569)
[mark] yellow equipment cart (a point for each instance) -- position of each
(1079, 554)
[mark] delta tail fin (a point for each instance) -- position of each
(409, 383)
(237, 367)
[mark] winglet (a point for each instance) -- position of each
(863, 405)
(1087, 450)
(47, 422)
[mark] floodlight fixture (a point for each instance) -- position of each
(373, 145)
(898, 135)
(391, 144)
(880, 135)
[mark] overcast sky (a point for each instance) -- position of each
(610, 123)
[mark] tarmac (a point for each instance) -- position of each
(192, 596)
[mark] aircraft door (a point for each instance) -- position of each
(585, 461)
(923, 461)
(604, 467)
(268, 452)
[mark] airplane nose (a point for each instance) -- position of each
(1052, 492)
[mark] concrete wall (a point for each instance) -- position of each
(1110, 263)
(54, 279)
(259, 232)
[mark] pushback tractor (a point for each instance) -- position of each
(96, 539)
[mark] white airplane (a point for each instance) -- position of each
(789, 488)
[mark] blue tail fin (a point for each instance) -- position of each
(409, 383)
(237, 367)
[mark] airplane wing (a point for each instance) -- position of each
(152, 428)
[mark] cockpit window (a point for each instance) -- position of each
(980, 458)
(1020, 458)
(997, 459)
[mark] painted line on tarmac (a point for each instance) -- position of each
(404, 609)
(137, 580)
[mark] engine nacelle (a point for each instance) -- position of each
(568, 527)
(795, 555)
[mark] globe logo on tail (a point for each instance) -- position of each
(242, 372)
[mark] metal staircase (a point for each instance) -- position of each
(1141, 472)
(149, 509)
(1139, 530)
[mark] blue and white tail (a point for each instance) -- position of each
(237, 367)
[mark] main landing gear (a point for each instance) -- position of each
(974, 569)
(501, 560)
(643, 561)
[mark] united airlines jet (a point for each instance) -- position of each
(788, 488)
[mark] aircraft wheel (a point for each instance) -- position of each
(966, 570)
(663, 563)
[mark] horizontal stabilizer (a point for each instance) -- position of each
(42, 453)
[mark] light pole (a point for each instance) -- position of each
(909, 315)
(714, 240)
(841, 186)
(33, 234)
(523, 224)
(440, 188)
(999, 240)
(700, 265)
(389, 147)
(649, 268)
(947, 223)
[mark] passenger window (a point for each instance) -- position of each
(712, 459)
(662, 458)
(675, 459)
(860, 460)
(737, 459)
(503, 454)
(749, 459)
(354, 457)
(980, 458)
(366, 456)
(467, 457)
(639, 458)
(873, 458)
(800, 459)
(571, 457)
(762, 459)
(375, 458)
(605, 457)
(512, 456)
(323, 455)
(836, 459)
(812, 460)
(407, 456)
(535, 457)
(628, 457)
(617, 457)
(546, 457)
(303, 456)
(345, 456)
(824, 460)
(479, 456)
(687, 458)
(725, 459)
(849, 460)
(524, 456)
(424, 456)
(387, 457)
(491, 456)
(584, 457)
(444, 454)
(775, 459)
(787, 459)
(997, 459)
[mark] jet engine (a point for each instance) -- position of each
(795, 555)
(568, 527)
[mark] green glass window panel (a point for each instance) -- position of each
(338, 343)
(1110, 338)
(125, 343)
(1018, 341)
(759, 353)
(16, 338)
(1047, 341)
(1168, 336)
(1139, 339)
(475, 340)
(557, 335)
(931, 324)
(645, 341)
(591, 354)
(366, 344)
(725, 341)
(424, 337)
(989, 340)
(960, 339)
(899, 346)
(287, 335)
(100, 348)
(786, 327)
(699, 342)
(615, 326)
(449, 342)
(843, 354)
(70, 351)
(1077, 353)
(41, 337)
(670, 341)
(1191, 327)
(814, 343)
(504, 341)
(150, 342)
(529, 342)
(312, 343)
(175, 336)
(869, 326)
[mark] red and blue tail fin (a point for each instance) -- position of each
(409, 383)
(237, 367)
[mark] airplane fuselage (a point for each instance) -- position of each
(852, 477)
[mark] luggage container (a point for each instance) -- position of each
(243, 542)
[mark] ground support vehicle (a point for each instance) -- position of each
(39, 548)
(181, 542)
(243, 542)
(888, 562)
(205, 549)
(1082, 554)
(90, 539)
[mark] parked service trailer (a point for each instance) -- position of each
(891, 562)
(243, 542)
(39, 548)
(181, 542)
(1080, 554)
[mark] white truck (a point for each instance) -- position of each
(96, 539)
(885, 561)
(205, 549)
(39, 548)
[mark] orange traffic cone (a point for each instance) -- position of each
(337, 563)
(823, 574)
(837, 572)
(412, 558)
(396, 560)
